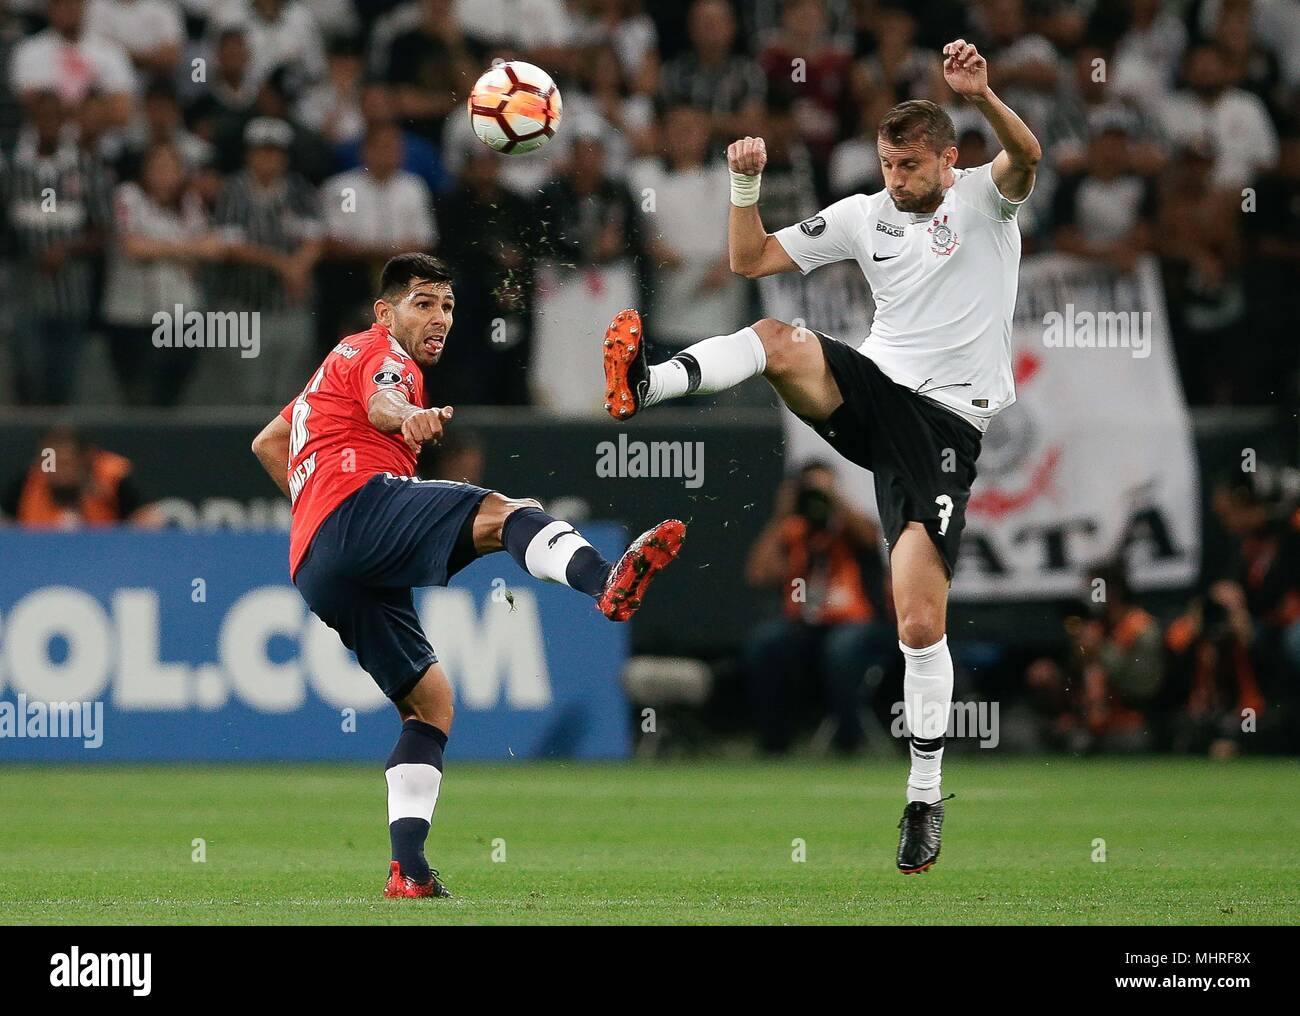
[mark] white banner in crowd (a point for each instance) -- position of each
(1095, 459)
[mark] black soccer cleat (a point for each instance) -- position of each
(627, 375)
(921, 829)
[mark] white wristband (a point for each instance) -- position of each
(744, 188)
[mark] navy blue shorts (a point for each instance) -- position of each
(393, 534)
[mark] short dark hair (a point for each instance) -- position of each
(918, 120)
(405, 269)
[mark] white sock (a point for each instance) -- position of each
(927, 698)
(711, 365)
(412, 790)
(550, 551)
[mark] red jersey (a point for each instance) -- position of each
(333, 447)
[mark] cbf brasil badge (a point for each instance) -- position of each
(943, 238)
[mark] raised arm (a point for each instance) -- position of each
(753, 251)
(966, 72)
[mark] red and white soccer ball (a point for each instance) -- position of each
(515, 108)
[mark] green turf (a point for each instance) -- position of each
(1186, 842)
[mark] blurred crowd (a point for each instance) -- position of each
(267, 155)
(1218, 674)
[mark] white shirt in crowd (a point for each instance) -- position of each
(47, 62)
(687, 216)
(134, 289)
(292, 40)
(139, 26)
(528, 24)
(361, 209)
(1236, 126)
(944, 285)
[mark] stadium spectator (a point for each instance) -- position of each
(489, 239)
(1233, 122)
(790, 179)
(71, 484)
(540, 31)
(591, 218)
(1098, 697)
(1147, 42)
(591, 261)
(57, 214)
(1105, 211)
(855, 164)
(624, 27)
(371, 214)
(225, 104)
(161, 123)
(11, 111)
(895, 62)
(805, 61)
(432, 68)
(1198, 236)
(1089, 100)
(70, 62)
(1260, 512)
(282, 36)
(419, 154)
(1024, 67)
(604, 105)
(824, 556)
(270, 221)
(1272, 298)
(150, 31)
(712, 76)
(332, 106)
(686, 228)
(162, 236)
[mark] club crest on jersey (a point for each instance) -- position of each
(387, 377)
(943, 238)
(815, 226)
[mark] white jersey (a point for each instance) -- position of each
(944, 284)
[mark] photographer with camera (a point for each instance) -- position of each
(825, 557)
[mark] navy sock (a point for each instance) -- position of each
(553, 550)
(414, 774)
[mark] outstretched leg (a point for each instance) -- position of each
(554, 551)
(790, 358)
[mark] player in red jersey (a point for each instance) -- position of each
(365, 531)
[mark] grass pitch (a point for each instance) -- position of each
(1186, 841)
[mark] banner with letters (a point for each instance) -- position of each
(1095, 460)
(171, 646)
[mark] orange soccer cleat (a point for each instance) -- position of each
(649, 554)
(626, 374)
(401, 886)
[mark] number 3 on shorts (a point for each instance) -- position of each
(945, 512)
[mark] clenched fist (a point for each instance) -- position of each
(748, 156)
(424, 425)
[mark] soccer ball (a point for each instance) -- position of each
(515, 108)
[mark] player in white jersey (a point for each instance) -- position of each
(941, 251)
